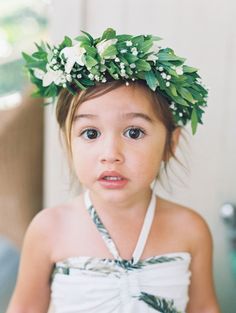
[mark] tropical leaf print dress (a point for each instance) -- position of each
(93, 285)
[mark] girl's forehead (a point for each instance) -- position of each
(120, 101)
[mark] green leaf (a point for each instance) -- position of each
(40, 55)
(151, 80)
(67, 42)
(92, 51)
(90, 61)
(194, 121)
(146, 45)
(186, 94)
(71, 90)
(86, 82)
(51, 91)
(109, 52)
(156, 38)
(143, 65)
(83, 39)
(173, 90)
(82, 87)
(181, 101)
(89, 36)
(109, 33)
(138, 40)
(130, 57)
(169, 57)
(27, 57)
(188, 69)
(124, 37)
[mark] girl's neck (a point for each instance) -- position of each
(134, 204)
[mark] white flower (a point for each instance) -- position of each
(79, 76)
(122, 73)
(123, 50)
(127, 83)
(73, 55)
(52, 76)
(104, 80)
(104, 44)
(117, 59)
(179, 70)
(167, 84)
(39, 73)
(53, 61)
(122, 65)
(152, 57)
(68, 78)
(91, 76)
(97, 77)
(161, 68)
(163, 75)
(128, 43)
(168, 77)
(132, 65)
(135, 52)
(180, 114)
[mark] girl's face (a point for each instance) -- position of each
(119, 132)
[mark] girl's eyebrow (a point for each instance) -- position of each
(130, 115)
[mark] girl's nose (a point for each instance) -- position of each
(112, 151)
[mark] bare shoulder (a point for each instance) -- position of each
(186, 221)
(45, 225)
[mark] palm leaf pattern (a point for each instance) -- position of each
(159, 304)
(106, 236)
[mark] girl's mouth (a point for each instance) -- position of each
(112, 180)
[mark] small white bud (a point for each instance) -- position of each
(91, 76)
(128, 43)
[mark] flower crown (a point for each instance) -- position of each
(81, 63)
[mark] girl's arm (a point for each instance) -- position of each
(202, 294)
(32, 290)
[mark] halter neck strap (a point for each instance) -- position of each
(106, 236)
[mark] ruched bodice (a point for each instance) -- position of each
(86, 284)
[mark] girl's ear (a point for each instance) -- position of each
(175, 138)
(174, 143)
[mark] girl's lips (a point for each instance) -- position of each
(112, 184)
(111, 173)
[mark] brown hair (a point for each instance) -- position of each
(67, 105)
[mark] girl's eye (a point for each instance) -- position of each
(90, 133)
(135, 133)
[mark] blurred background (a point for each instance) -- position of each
(33, 169)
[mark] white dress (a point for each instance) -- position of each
(94, 285)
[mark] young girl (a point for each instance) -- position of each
(117, 247)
